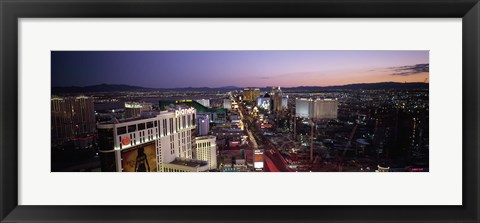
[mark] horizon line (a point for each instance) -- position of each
(232, 86)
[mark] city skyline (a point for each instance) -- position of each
(291, 111)
(182, 69)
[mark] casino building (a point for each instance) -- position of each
(251, 94)
(303, 108)
(157, 141)
(206, 149)
(316, 109)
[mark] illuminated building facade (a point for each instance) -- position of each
(203, 124)
(263, 103)
(285, 102)
(382, 169)
(227, 104)
(258, 160)
(146, 144)
(303, 108)
(277, 97)
(251, 94)
(204, 102)
(71, 117)
(316, 109)
(206, 150)
(325, 109)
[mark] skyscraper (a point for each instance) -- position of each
(206, 150)
(203, 124)
(277, 97)
(316, 109)
(251, 94)
(303, 108)
(325, 109)
(71, 117)
(227, 104)
(162, 142)
(285, 102)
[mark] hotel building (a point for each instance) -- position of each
(206, 150)
(203, 124)
(277, 97)
(303, 108)
(71, 117)
(157, 141)
(251, 94)
(227, 104)
(316, 109)
(325, 109)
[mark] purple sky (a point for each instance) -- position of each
(171, 69)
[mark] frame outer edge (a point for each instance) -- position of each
(2, 212)
(8, 110)
(476, 62)
(470, 119)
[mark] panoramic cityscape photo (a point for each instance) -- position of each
(240, 111)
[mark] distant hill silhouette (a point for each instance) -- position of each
(366, 86)
(98, 88)
(121, 87)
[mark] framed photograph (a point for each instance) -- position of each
(251, 111)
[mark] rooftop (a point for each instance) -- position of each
(143, 115)
(192, 103)
(189, 162)
(205, 137)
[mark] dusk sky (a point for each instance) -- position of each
(171, 69)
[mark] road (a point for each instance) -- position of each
(273, 162)
(250, 135)
(277, 160)
(268, 165)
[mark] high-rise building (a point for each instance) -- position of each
(204, 102)
(203, 124)
(325, 109)
(71, 117)
(251, 94)
(303, 108)
(316, 109)
(285, 102)
(206, 150)
(161, 142)
(227, 104)
(277, 97)
(135, 109)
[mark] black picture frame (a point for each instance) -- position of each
(12, 10)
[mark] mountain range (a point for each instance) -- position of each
(122, 87)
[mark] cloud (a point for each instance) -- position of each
(409, 70)
(264, 78)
